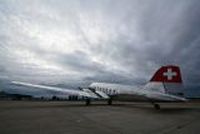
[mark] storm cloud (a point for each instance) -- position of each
(109, 40)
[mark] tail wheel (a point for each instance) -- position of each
(157, 106)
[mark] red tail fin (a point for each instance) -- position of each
(167, 74)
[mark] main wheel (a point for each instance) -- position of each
(110, 102)
(87, 102)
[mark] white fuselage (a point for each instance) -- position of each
(112, 89)
(147, 91)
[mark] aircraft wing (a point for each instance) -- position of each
(58, 89)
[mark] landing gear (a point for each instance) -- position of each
(87, 102)
(156, 106)
(110, 102)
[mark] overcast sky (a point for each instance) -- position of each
(123, 41)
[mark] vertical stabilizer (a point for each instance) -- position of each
(167, 74)
(167, 79)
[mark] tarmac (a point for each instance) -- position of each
(66, 117)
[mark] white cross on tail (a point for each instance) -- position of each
(169, 74)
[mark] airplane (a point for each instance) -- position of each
(156, 90)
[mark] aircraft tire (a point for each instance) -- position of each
(110, 102)
(87, 103)
(157, 106)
